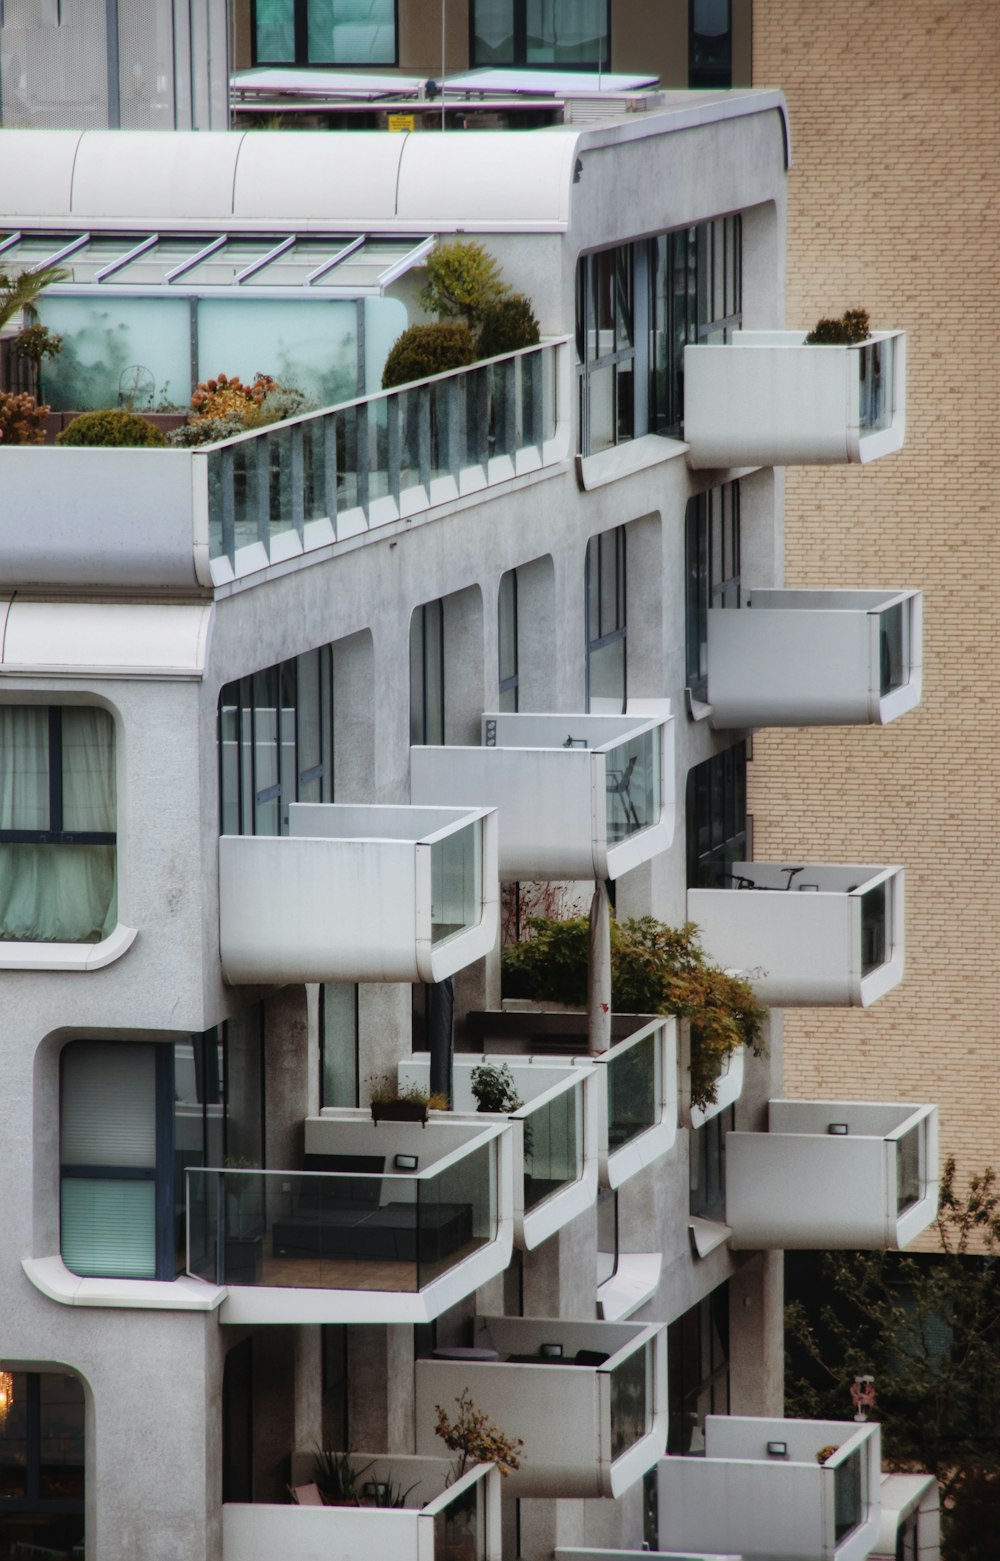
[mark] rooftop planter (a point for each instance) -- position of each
(815, 658)
(761, 1492)
(440, 1521)
(385, 1223)
(843, 1174)
(589, 1399)
(579, 796)
(766, 398)
(555, 1134)
(359, 894)
(812, 935)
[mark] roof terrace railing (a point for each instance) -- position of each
(276, 492)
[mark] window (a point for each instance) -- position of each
(638, 306)
(427, 674)
(133, 1117)
(718, 825)
(605, 592)
(58, 879)
(710, 43)
(707, 1166)
(564, 34)
(42, 1465)
(507, 673)
(698, 1370)
(324, 32)
(339, 1047)
(276, 743)
(712, 537)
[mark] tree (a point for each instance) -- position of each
(463, 281)
(21, 292)
(927, 1327)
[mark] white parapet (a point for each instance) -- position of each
(761, 1490)
(806, 935)
(579, 796)
(832, 1173)
(359, 893)
(815, 658)
(767, 399)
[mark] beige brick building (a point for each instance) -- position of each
(894, 205)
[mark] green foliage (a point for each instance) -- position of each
(494, 1088)
(463, 281)
(22, 291)
(423, 350)
(507, 326)
(927, 1327)
(111, 427)
(476, 1439)
(336, 1479)
(384, 1089)
(654, 970)
(22, 419)
(850, 328)
(386, 1493)
(36, 342)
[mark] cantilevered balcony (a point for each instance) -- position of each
(392, 1222)
(441, 1518)
(767, 399)
(579, 796)
(833, 1173)
(774, 1489)
(588, 1398)
(555, 1135)
(815, 658)
(359, 894)
(813, 935)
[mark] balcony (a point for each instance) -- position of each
(579, 796)
(555, 1136)
(359, 894)
(188, 520)
(588, 1398)
(847, 1174)
(828, 935)
(815, 658)
(636, 1077)
(439, 1521)
(768, 399)
(386, 1223)
(760, 1492)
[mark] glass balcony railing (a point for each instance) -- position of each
(909, 1181)
(553, 1144)
(894, 647)
(631, 1400)
(392, 446)
(340, 1231)
(456, 881)
(633, 786)
(849, 1504)
(876, 922)
(633, 1091)
(460, 1528)
(875, 371)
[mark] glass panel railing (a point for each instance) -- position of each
(848, 1494)
(633, 786)
(457, 881)
(633, 1092)
(378, 447)
(330, 1230)
(875, 370)
(553, 1145)
(460, 1528)
(876, 942)
(893, 641)
(908, 1182)
(631, 1401)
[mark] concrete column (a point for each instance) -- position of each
(287, 1077)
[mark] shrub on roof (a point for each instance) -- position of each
(423, 350)
(507, 326)
(850, 328)
(22, 420)
(111, 427)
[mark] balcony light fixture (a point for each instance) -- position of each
(6, 1396)
(777, 1449)
(838, 1129)
(405, 1162)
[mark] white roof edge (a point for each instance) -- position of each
(693, 109)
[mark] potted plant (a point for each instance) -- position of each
(494, 1089)
(392, 1103)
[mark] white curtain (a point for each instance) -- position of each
(51, 892)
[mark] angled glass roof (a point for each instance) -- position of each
(332, 265)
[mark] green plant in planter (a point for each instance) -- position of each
(654, 970)
(851, 328)
(423, 350)
(494, 1088)
(463, 281)
(507, 326)
(111, 427)
(336, 1478)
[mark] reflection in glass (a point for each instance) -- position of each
(894, 654)
(876, 911)
(631, 1401)
(633, 1091)
(633, 786)
(908, 1179)
(848, 1494)
(456, 881)
(875, 371)
(553, 1146)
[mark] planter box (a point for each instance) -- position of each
(399, 1111)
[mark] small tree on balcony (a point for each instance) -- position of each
(476, 1439)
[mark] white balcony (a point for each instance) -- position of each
(768, 399)
(555, 1135)
(579, 796)
(439, 1522)
(759, 1491)
(359, 894)
(815, 935)
(589, 1399)
(832, 1173)
(389, 1222)
(815, 658)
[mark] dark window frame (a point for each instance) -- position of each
(712, 541)
(301, 33)
(698, 1347)
(423, 672)
(519, 46)
(32, 1503)
(508, 686)
(710, 72)
(598, 611)
(719, 828)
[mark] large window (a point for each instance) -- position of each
(698, 1370)
(276, 743)
(718, 826)
(427, 674)
(710, 43)
(638, 306)
(712, 545)
(57, 824)
(41, 1465)
(564, 34)
(507, 648)
(605, 591)
(324, 32)
(134, 1115)
(339, 1045)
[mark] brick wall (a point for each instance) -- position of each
(895, 206)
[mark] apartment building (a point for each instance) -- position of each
(278, 717)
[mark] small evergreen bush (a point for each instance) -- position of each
(423, 350)
(111, 427)
(463, 281)
(507, 326)
(852, 327)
